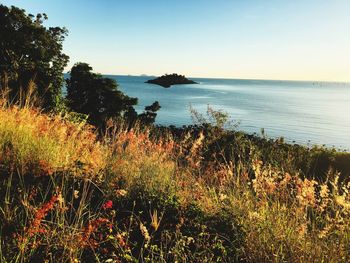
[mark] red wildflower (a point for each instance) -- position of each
(107, 205)
(40, 215)
(90, 229)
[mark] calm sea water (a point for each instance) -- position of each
(304, 112)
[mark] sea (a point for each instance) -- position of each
(308, 113)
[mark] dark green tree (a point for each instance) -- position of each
(31, 52)
(150, 113)
(90, 93)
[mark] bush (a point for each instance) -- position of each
(68, 194)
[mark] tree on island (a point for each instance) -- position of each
(99, 98)
(173, 79)
(30, 52)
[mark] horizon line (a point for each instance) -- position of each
(228, 78)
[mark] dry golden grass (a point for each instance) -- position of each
(283, 217)
(40, 144)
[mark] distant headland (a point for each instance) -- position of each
(173, 79)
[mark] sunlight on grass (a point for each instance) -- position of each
(70, 193)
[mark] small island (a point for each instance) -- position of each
(173, 79)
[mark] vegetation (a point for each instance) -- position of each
(148, 117)
(173, 79)
(130, 192)
(30, 52)
(99, 99)
(31, 56)
(68, 194)
(95, 96)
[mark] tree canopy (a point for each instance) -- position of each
(150, 113)
(173, 79)
(96, 96)
(31, 52)
(99, 98)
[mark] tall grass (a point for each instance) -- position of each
(69, 194)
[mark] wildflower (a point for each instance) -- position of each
(306, 192)
(144, 232)
(190, 240)
(76, 194)
(121, 192)
(121, 240)
(91, 228)
(302, 231)
(60, 199)
(222, 197)
(286, 180)
(40, 215)
(341, 200)
(155, 220)
(324, 191)
(324, 232)
(107, 205)
(254, 216)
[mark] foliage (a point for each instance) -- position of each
(135, 195)
(225, 143)
(214, 118)
(173, 79)
(96, 96)
(99, 98)
(149, 115)
(31, 52)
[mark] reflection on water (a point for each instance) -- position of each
(298, 111)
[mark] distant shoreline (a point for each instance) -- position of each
(239, 79)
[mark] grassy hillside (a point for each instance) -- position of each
(69, 194)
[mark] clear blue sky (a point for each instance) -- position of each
(264, 39)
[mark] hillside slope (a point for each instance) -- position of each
(69, 194)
